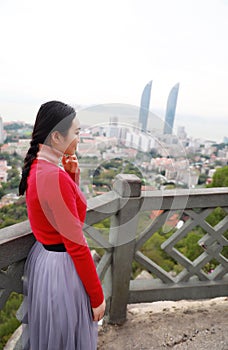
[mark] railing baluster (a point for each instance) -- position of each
(123, 238)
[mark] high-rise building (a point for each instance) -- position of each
(171, 109)
(181, 133)
(144, 106)
(225, 139)
(113, 129)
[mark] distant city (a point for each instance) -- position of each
(131, 140)
(148, 147)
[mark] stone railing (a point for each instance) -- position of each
(122, 246)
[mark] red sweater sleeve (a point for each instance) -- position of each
(86, 270)
(64, 202)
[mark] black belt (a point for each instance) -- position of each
(55, 247)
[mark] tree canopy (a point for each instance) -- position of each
(220, 178)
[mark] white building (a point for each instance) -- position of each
(3, 170)
(211, 172)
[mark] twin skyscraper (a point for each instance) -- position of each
(170, 108)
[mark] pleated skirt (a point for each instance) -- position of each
(56, 310)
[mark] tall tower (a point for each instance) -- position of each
(144, 106)
(171, 109)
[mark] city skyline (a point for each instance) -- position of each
(89, 59)
(128, 115)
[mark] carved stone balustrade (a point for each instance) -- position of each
(122, 246)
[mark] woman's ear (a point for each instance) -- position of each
(56, 138)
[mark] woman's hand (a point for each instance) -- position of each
(70, 163)
(98, 312)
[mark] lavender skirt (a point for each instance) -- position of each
(56, 309)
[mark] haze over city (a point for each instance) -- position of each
(87, 53)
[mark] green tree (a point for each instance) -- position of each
(13, 178)
(189, 245)
(105, 173)
(14, 159)
(13, 213)
(220, 178)
(9, 215)
(8, 320)
(2, 192)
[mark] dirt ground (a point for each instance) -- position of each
(191, 325)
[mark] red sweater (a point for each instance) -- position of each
(56, 210)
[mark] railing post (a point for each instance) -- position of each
(122, 236)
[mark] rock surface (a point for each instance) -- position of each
(180, 325)
(177, 325)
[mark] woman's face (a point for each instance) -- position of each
(70, 141)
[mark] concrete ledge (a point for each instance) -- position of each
(14, 342)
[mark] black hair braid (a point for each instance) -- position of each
(30, 156)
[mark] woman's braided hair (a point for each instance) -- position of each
(52, 116)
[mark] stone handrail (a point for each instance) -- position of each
(122, 246)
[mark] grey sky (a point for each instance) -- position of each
(105, 51)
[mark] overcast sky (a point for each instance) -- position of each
(105, 51)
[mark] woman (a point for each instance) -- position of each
(64, 297)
